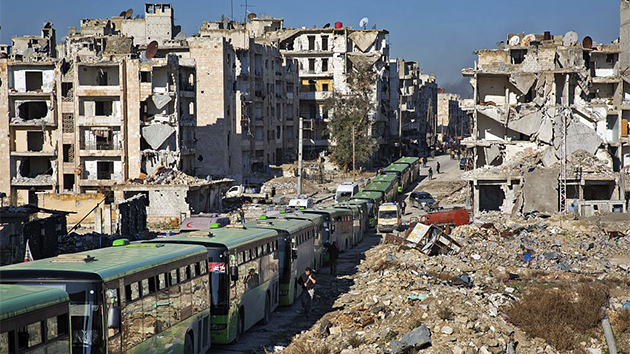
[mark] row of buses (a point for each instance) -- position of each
(179, 294)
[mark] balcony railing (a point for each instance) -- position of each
(101, 145)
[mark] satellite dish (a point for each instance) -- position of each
(327, 25)
(252, 16)
(514, 41)
(587, 43)
(528, 39)
(501, 45)
(570, 38)
(152, 49)
(364, 21)
(129, 13)
(181, 36)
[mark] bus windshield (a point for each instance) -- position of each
(86, 313)
(388, 214)
(219, 280)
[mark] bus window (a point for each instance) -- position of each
(132, 292)
(173, 277)
(4, 343)
(33, 333)
(162, 281)
(193, 270)
(203, 268)
(183, 274)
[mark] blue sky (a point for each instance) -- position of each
(440, 34)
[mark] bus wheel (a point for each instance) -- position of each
(188, 344)
(267, 316)
(239, 326)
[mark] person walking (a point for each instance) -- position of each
(437, 167)
(308, 290)
(430, 173)
(333, 256)
(241, 215)
(403, 206)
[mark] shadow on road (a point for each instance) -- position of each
(289, 321)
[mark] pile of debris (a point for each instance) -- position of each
(75, 242)
(405, 300)
(171, 176)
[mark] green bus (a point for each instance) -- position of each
(388, 178)
(414, 166)
(244, 282)
(403, 171)
(34, 319)
(296, 243)
(337, 226)
(147, 298)
(374, 200)
(388, 189)
(363, 207)
(357, 225)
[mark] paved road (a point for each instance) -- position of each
(289, 321)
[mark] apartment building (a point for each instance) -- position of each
(546, 125)
(324, 57)
(452, 121)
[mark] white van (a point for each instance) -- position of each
(345, 191)
(302, 202)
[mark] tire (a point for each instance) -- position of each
(189, 344)
(267, 317)
(239, 326)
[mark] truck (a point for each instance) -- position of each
(389, 217)
(451, 218)
(345, 191)
(248, 193)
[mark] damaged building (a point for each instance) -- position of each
(547, 123)
(325, 56)
(452, 120)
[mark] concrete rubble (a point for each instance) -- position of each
(403, 299)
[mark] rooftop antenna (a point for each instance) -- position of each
(247, 6)
(364, 22)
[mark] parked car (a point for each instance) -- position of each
(465, 162)
(422, 200)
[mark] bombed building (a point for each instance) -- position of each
(547, 125)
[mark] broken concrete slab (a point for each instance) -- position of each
(545, 130)
(156, 134)
(528, 124)
(523, 82)
(540, 190)
(363, 40)
(493, 155)
(160, 101)
(549, 158)
(581, 137)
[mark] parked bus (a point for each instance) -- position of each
(414, 166)
(403, 171)
(363, 207)
(318, 226)
(387, 189)
(337, 227)
(34, 319)
(374, 200)
(243, 276)
(296, 243)
(131, 298)
(357, 225)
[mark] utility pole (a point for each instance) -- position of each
(354, 160)
(300, 143)
(563, 131)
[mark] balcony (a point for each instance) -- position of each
(314, 95)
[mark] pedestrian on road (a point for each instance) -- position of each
(308, 290)
(430, 173)
(241, 215)
(333, 256)
(437, 167)
(403, 205)
(424, 162)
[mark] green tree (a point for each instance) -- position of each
(350, 110)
